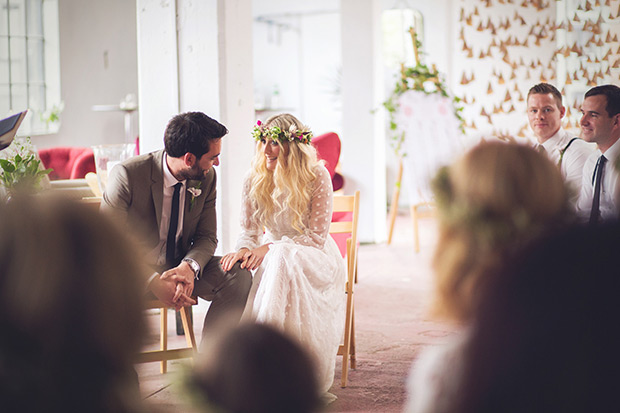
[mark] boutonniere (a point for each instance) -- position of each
(195, 191)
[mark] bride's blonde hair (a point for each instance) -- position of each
(289, 186)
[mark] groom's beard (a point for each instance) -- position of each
(195, 173)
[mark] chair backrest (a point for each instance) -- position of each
(347, 223)
(328, 147)
(84, 164)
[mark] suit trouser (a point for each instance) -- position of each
(227, 291)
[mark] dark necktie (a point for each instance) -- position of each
(598, 171)
(172, 228)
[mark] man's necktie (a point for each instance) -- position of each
(172, 228)
(541, 149)
(598, 172)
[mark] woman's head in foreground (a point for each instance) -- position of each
(491, 202)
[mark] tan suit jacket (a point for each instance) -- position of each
(134, 194)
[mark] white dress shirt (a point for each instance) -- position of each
(572, 162)
(609, 185)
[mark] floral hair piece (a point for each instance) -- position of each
(275, 133)
(482, 223)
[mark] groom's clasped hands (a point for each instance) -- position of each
(180, 281)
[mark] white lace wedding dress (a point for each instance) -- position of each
(301, 279)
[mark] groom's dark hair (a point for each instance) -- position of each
(191, 132)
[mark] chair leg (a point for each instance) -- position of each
(163, 336)
(188, 328)
(416, 235)
(347, 338)
(353, 360)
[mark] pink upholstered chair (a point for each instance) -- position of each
(68, 162)
(328, 147)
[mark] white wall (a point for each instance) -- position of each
(98, 64)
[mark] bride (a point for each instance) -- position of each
(285, 217)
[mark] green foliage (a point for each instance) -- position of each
(21, 171)
(422, 79)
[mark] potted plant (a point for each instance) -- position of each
(20, 168)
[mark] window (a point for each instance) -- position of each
(30, 63)
(397, 41)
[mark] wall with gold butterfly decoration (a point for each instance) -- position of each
(504, 47)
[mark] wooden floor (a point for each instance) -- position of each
(392, 326)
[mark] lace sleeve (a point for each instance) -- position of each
(251, 233)
(320, 215)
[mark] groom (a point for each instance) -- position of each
(166, 199)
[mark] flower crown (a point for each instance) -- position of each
(275, 133)
(479, 220)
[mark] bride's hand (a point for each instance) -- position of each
(231, 258)
(255, 257)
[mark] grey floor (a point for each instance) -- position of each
(392, 326)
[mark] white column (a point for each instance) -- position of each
(363, 133)
(197, 56)
(158, 77)
(236, 97)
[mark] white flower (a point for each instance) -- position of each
(194, 191)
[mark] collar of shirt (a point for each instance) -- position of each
(169, 179)
(556, 143)
(612, 153)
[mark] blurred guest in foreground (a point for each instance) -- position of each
(256, 369)
(546, 335)
(491, 203)
(70, 310)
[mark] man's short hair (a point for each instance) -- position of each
(612, 93)
(191, 132)
(543, 89)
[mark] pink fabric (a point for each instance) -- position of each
(328, 147)
(84, 164)
(68, 162)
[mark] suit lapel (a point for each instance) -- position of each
(157, 184)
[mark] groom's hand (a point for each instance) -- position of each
(167, 291)
(182, 275)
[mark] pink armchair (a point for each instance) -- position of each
(68, 162)
(328, 147)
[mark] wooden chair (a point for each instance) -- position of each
(93, 183)
(348, 203)
(164, 354)
(423, 210)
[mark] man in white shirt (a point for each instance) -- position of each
(545, 112)
(600, 123)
